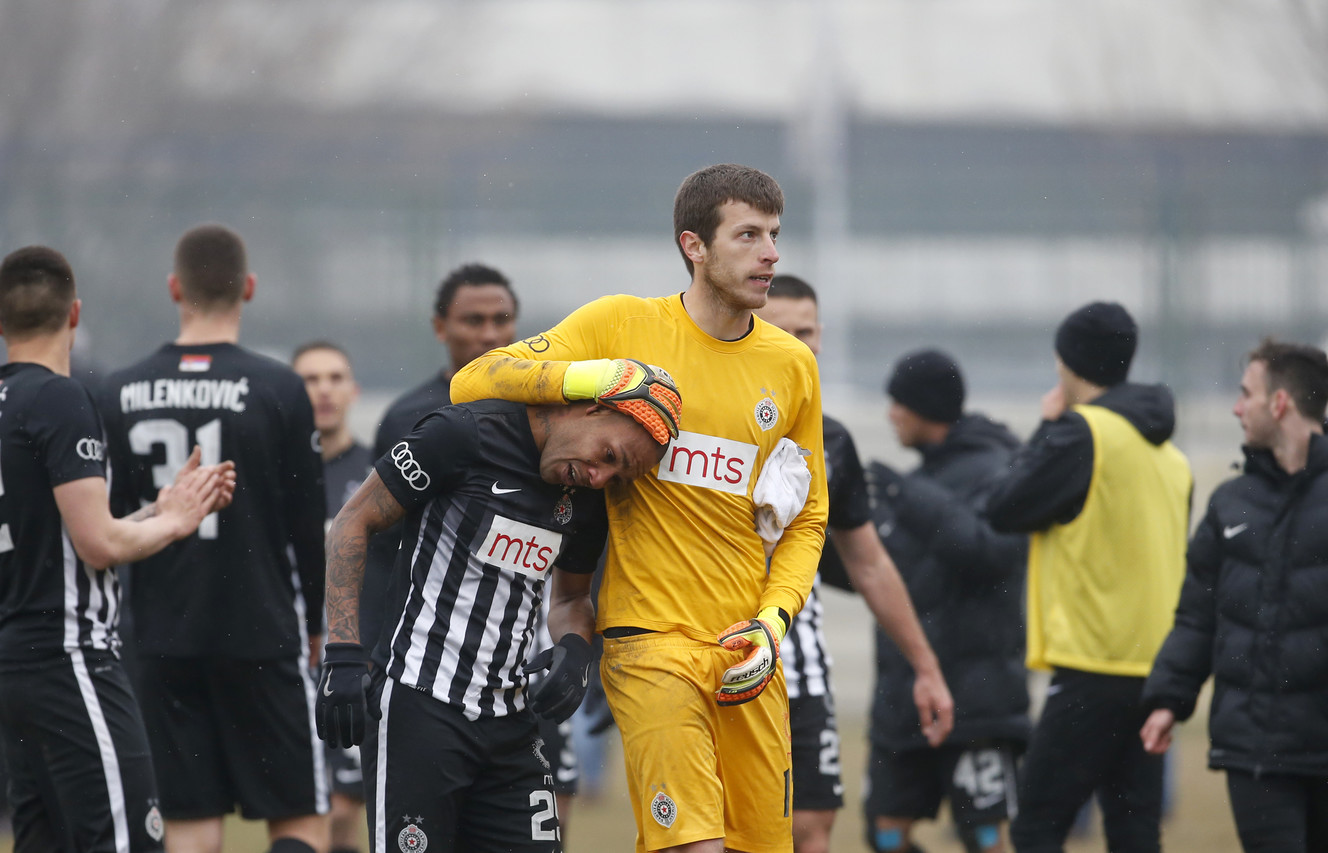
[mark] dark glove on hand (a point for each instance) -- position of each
(560, 692)
(342, 703)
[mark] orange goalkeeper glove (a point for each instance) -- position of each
(745, 681)
(645, 393)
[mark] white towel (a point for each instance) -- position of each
(781, 490)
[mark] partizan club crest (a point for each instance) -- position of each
(663, 810)
(767, 415)
(412, 839)
(153, 824)
(562, 511)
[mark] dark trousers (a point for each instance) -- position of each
(1086, 741)
(1279, 814)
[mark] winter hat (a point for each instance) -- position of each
(928, 382)
(1097, 342)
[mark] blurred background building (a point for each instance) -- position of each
(959, 172)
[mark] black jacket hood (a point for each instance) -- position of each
(971, 432)
(1149, 408)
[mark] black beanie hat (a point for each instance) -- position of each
(928, 382)
(1097, 342)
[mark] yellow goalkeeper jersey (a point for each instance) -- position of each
(684, 554)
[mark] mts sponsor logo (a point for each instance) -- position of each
(520, 547)
(713, 463)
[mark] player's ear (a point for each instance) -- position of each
(74, 311)
(692, 246)
(439, 329)
(249, 282)
(1281, 403)
(173, 284)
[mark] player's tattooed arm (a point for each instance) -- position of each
(371, 510)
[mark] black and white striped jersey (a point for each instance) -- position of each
(50, 603)
(482, 534)
(249, 583)
(804, 652)
(805, 656)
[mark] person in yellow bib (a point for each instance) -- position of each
(691, 618)
(1106, 497)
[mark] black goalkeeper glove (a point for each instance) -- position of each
(343, 702)
(561, 691)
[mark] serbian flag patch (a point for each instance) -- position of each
(195, 363)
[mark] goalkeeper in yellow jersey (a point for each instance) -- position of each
(690, 615)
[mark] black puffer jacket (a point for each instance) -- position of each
(966, 582)
(1253, 612)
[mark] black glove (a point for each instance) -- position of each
(343, 702)
(560, 692)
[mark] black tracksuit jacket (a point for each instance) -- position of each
(966, 582)
(1253, 613)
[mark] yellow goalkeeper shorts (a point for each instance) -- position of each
(695, 770)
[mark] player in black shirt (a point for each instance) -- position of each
(80, 775)
(496, 496)
(473, 312)
(226, 623)
(330, 381)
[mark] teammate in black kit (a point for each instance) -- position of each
(857, 562)
(80, 773)
(330, 381)
(496, 496)
(473, 312)
(226, 625)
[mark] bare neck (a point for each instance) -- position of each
(1081, 392)
(216, 327)
(716, 318)
(50, 351)
(1291, 449)
(335, 442)
(935, 432)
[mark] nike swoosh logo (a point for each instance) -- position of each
(327, 688)
(585, 676)
(497, 491)
(1230, 532)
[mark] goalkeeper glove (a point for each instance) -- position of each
(745, 681)
(647, 394)
(561, 691)
(343, 702)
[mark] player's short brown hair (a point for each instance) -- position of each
(211, 266)
(36, 292)
(697, 203)
(1298, 369)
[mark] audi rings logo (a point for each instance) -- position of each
(91, 449)
(410, 470)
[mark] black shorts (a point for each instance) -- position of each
(817, 785)
(228, 733)
(977, 778)
(343, 766)
(438, 780)
(561, 752)
(80, 771)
